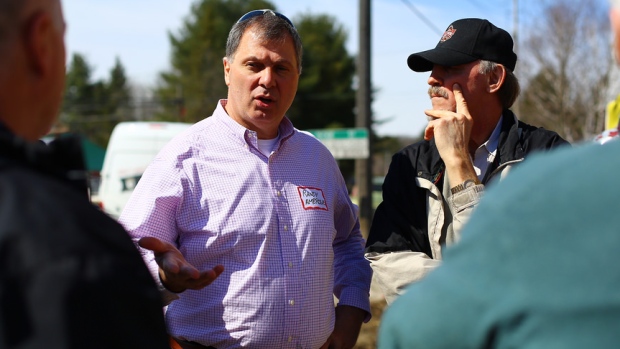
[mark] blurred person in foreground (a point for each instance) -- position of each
(536, 267)
(70, 276)
(246, 221)
(472, 139)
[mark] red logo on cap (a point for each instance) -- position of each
(448, 34)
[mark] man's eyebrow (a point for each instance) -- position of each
(284, 61)
(277, 61)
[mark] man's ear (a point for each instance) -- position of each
(40, 36)
(496, 78)
(226, 70)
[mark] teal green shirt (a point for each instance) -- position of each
(538, 265)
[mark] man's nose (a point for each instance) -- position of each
(267, 78)
(434, 79)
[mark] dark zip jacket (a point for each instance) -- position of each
(70, 277)
(400, 222)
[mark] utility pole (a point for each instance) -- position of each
(363, 167)
(515, 38)
(515, 22)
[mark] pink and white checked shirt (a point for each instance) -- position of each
(283, 227)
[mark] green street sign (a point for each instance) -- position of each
(344, 143)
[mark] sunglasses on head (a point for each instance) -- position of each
(255, 13)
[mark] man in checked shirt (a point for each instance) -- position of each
(245, 221)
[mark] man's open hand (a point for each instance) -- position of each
(175, 272)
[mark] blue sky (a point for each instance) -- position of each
(136, 32)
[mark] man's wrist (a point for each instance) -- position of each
(466, 184)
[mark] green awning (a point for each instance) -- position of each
(93, 154)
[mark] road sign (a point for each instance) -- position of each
(344, 143)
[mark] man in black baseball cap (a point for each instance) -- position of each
(465, 41)
(471, 139)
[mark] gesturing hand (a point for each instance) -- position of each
(175, 272)
(452, 131)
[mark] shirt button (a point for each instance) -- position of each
(291, 302)
(278, 193)
(290, 264)
(286, 228)
(290, 338)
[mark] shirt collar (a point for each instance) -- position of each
(493, 141)
(285, 129)
(485, 154)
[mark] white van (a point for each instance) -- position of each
(132, 147)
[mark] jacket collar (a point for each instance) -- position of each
(62, 158)
(510, 146)
(431, 166)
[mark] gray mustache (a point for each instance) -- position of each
(437, 91)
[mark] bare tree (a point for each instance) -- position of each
(565, 67)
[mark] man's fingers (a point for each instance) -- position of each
(171, 265)
(209, 276)
(219, 269)
(429, 132)
(158, 246)
(153, 244)
(168, 257)
(205, 278)
(176, 273)
(461, 103)
(433, 114)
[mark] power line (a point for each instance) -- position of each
(422, 17)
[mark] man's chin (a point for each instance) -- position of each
(444, 108)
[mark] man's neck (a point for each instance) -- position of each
(482, 130)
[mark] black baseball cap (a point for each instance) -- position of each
(467, 40)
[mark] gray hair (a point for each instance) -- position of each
(510, 89)
(272, 28)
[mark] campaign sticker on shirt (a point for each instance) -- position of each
(312, 198)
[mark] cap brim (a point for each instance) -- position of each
(424, 61)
